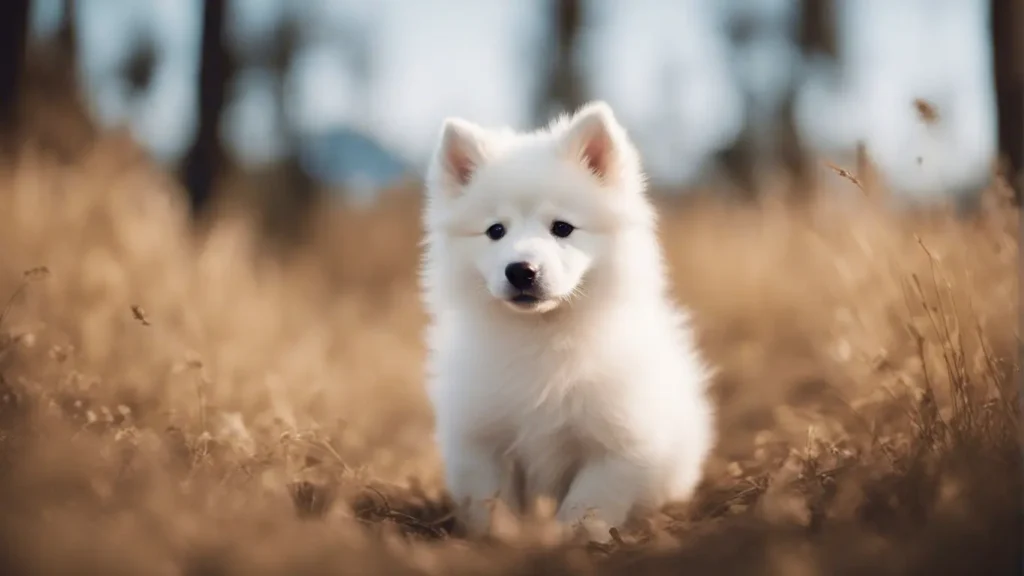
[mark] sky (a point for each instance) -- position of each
(664, 66)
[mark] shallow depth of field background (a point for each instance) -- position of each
(210, 330)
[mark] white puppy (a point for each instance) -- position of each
(558, 366)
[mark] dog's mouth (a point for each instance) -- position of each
(524, 299)
(530, 302)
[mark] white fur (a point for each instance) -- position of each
(595, 395)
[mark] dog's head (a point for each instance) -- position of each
(526, 218)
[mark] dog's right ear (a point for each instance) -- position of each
(459, 153)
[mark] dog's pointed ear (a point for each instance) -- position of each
(459, 153)
(595, 139)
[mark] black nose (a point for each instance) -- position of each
(521, 275)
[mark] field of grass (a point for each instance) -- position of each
(179, 405)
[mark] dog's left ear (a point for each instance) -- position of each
(595, 138)
(459, 153)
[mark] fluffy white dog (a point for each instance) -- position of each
(558, 365)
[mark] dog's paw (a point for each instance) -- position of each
(589, 528)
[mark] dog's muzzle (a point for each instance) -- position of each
(523, 278)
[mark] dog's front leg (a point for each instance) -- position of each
(602, 495)
(476, 475)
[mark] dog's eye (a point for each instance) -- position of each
(496, 231)
(562, 229)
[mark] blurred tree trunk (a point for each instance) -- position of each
(294, 193)
(53, 112)
(563, 91)
(816, 37)
(742, 159)
(1007, 21)
(203, 164)
(13, 38)
(739, 158)
(66, 37)
(817, 30)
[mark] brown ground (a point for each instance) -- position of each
(174, 406)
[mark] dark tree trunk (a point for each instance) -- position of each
(563, 90)
(816, 36)
(739, 159)
(66, 37)
(817, 31)
(203, 164)
(744, 158)
(1007, 21)
(293, 193)
(13, 37)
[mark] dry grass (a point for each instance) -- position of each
(171, 405)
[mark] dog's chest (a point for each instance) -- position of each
(550, 439)
(547, 403)
(560, 401)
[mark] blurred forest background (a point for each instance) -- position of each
(180, 399)
(295, 99)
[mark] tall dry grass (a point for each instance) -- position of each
(172, 404)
